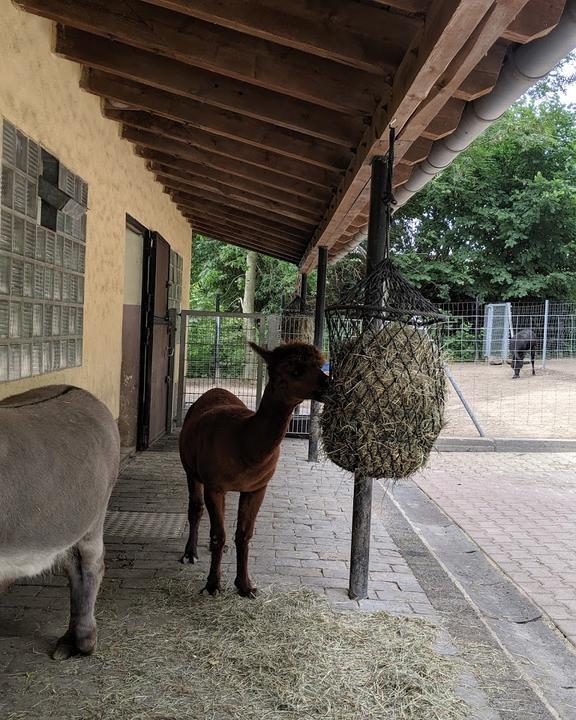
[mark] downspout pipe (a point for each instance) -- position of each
(525, 66)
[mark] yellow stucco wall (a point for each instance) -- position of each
(39, 93)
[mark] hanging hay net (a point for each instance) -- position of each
(385, 407)
(297, 324)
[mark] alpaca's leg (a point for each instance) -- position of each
(247, 511)
(195, 510)
(215, 503)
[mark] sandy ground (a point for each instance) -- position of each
(540, 406)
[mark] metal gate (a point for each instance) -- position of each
(497, 330)
(214, 352)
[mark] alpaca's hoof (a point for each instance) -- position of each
(248, 591)
(188, 559)
(213, 588)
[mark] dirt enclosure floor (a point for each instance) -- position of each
(540, 406)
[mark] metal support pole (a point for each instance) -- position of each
(303, 292)
(545, 337)
(464, 402)
(360, 547)
(476, 330)
(377, 250)
(318, 341)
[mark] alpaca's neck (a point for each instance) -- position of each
(268, 426)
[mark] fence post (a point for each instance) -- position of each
(545, 337)
(476, 329)
(303, 292)
(318, 341)
(182, 365)
(217, 342)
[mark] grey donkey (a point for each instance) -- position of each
(59, 458)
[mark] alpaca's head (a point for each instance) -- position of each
(295, 370)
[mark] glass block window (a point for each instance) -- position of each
(175, 281)
(41, 268)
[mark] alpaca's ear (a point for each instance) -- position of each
(266, 355)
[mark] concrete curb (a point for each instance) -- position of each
(516, 445)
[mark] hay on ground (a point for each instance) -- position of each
(283, 656)
(385, 407)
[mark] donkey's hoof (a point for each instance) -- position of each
(69, 646)
(188, 559)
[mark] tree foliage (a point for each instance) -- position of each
(218, 268)
(500, 222)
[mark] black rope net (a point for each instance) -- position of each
(386, 403)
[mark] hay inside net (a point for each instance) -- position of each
(284, 656)
(385, 406)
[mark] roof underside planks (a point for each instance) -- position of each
(260, 118)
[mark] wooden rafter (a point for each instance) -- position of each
(205, 219)
(233, 167)
(200, 184)
(243, 240)
(176, 77)
(256, 238)
(231, 181)
(455, 37)
(243, 205)
(241, 212)
(170, 130)
(370, 39)
(312, 176)
(128, 95)
(202, 45)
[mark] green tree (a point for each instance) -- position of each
(500, 222)
(218, 268)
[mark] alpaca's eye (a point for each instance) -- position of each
(297, 372)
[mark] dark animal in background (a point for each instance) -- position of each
(59, 457)
(524, 341)
(226, 447)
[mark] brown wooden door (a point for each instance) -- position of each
(156, 341)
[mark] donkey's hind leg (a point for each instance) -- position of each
(532, 356)
(84, 565)
(195, 510)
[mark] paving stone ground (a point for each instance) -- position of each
(302, 538)
(521, 510)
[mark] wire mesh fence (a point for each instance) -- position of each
(216, 353)
(479, 343)
(476, 342)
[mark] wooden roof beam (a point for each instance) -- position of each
(136, 96)
(202, 45)
(485, 75)
(243, 206)
(537, 19)
(185, 137)
(218, 209)
(160, 152)
(258, 239)
(176, 77)
(206, 218)
(200, 185)
(240, 240)
(368, 38)
(197, 154)
(230, 181)
(455, 37)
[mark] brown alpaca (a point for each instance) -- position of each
(226, 447)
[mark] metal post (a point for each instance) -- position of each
(545, 338)
(477, 330)
(377, 250)
(217, 342)
(318, 341)
(464, 402)
(303, 292)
